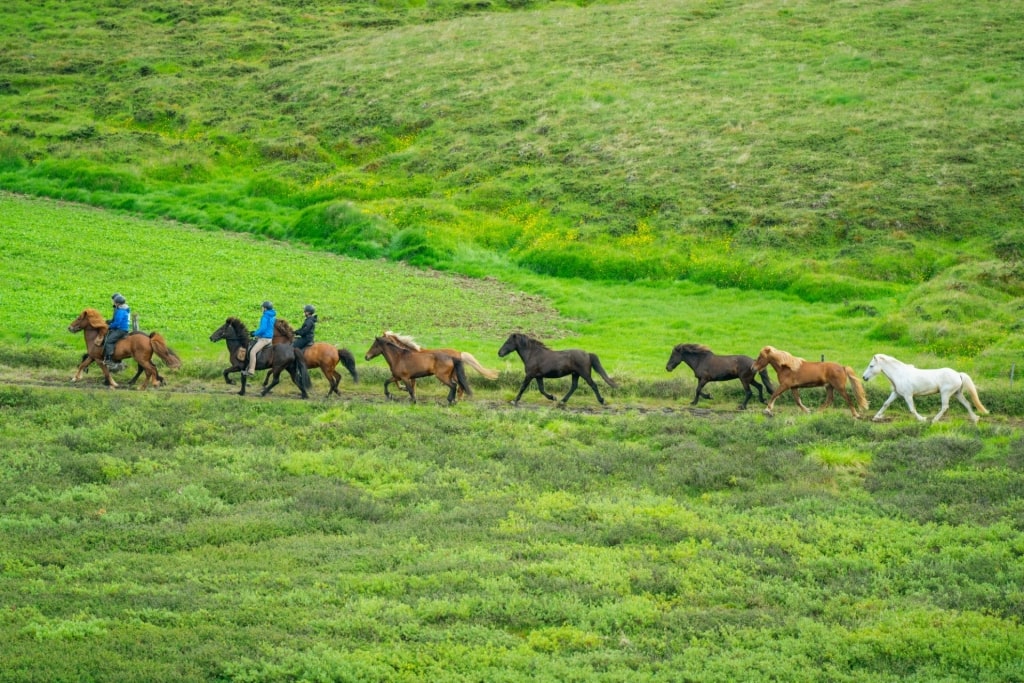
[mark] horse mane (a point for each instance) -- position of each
(240, 329)
(692, 348)
(533, 341)
(403, 340)
(897, 361)
(96, 319)
(284, 328)
(785, 359)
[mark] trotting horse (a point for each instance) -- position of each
(466, 357)
(137, 345)
(908, 382)
(796, 373)
(407, 366)
(319, 355)
(540, 362)
(707, 367)
(276, 358)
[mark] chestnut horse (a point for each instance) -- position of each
(466, 357)
(407, 366)
(276, 358)
(319, 355)
(796, 373)
(707, 367)
(137, 345)
(541, 362)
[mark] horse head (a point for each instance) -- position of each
(513, 343)
(375, 349)
(90, 317)
(681, 351)
(233, 329)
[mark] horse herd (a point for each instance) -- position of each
(408, 361)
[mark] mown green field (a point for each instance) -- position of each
(835, 179)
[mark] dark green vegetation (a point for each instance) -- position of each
(160, 536)
(836, 151)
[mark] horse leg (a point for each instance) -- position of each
(245, 377)
(771, 399)
(945, 407)
(849, 401)
(540, 388)
(892, 397)
(960, 397)
(277, 378)
(86, 362)
(747, 393)
(700, 385)
(572, 387)
(295, 380)
(829, 397)
(334, 379)
(796, 397)
(593, 385)
(410, 386)
(228, 371)
(526, 383)
(760, 392)
(138, 372)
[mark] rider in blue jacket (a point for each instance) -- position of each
(118, 329)
(264, 334)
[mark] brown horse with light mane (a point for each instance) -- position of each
(319, 355)
(796, 373)
(466, 357)
(137, 345)
(407, 366)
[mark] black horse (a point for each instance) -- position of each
(540, 362)
(276, 357)
(707, 367)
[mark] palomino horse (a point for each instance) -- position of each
(276, 358)
(466, 357)
(137, 345)
(908, 382)
(407, 366)
(319, 355)
(707, 367)
(540, 362)
(796, 373)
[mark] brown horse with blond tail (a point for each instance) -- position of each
(796, 373)
(137, 345)
(466, 357)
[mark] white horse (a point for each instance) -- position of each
(908, 382)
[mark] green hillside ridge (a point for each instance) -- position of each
(847, 152)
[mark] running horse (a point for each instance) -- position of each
(319, 355)
(465, 356)
(708, 367)
(276, 358)
(137, 345)
(407, 366)
(541, 363)
(908, 382)
(796, 373)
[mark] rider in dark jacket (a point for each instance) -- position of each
(118, 329)
(304, 335)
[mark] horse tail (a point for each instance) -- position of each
(858, 388)
(301, 370)
(596, 364)
(972, 391)
(165, 352)
(349, 361)
(460, 376)
(475, 364)
(767, 382)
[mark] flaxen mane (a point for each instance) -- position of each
(786, 359)
(403, 340)
(693, 348)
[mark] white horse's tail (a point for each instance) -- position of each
(472, 362)
(972, 391)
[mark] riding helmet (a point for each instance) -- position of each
(118, 299)
(267, 305)
(308, 308)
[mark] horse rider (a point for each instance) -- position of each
(304, 335)
(263, 335)
(117, 330)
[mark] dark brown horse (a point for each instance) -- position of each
(407, 366)
(707, 367)
(319, 355)
(796, 373)
(276, 358)
(540, 362)
(137, 345)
